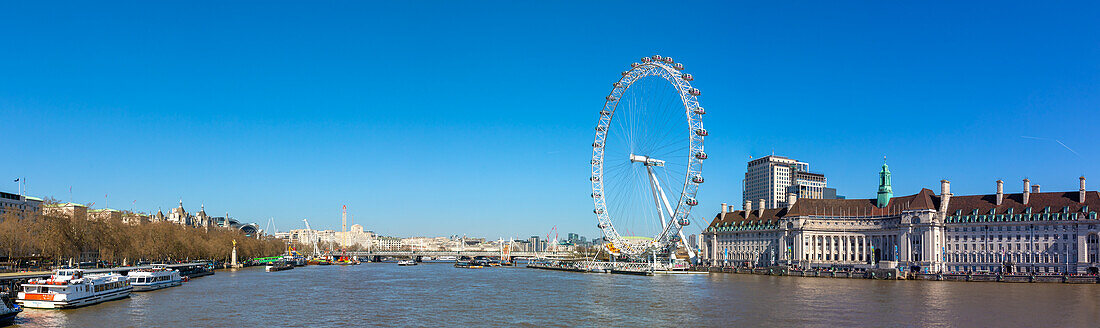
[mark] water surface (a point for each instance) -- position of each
(384, 294)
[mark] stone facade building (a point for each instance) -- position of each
(73, 210)
(1031, 231)
(18, 204)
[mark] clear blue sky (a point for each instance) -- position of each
(436, 118)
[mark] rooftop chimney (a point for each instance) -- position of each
(731, 209)
(724, 207)
(1035, 189)
(945, 196)
(1000, 192)
(1081, 192)
(760, 211)
(791, 199)
(1027, 190)
(748, 207)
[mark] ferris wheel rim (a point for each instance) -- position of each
(665, 68)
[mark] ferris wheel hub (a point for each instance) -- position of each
(646, 160)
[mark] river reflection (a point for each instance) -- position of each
(383, 294)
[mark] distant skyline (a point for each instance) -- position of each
(441, 118)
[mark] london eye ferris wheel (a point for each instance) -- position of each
(648, 147)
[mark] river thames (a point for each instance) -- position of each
(435, 294)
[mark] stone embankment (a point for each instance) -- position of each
(894, 274)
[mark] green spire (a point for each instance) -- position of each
(885, 191)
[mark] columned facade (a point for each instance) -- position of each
(1030, 233)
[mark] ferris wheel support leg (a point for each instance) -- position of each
(658, 194)
(658, 191)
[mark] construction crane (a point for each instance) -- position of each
(344, 220)
(312, 240)
(553, 231)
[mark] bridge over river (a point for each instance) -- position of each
(438, 254)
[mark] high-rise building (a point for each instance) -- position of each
(771, 178)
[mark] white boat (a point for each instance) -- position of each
(68, 288)
(160, 276)
(447, 258)
(406, 262)
(8, 311)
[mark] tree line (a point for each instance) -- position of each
(62, 238)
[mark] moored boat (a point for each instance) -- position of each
(68, 288)
(160, 276)
(278, 266)
(468, 265)
(8, 311)
(319, 261)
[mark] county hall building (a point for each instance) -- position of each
(1027, 232)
